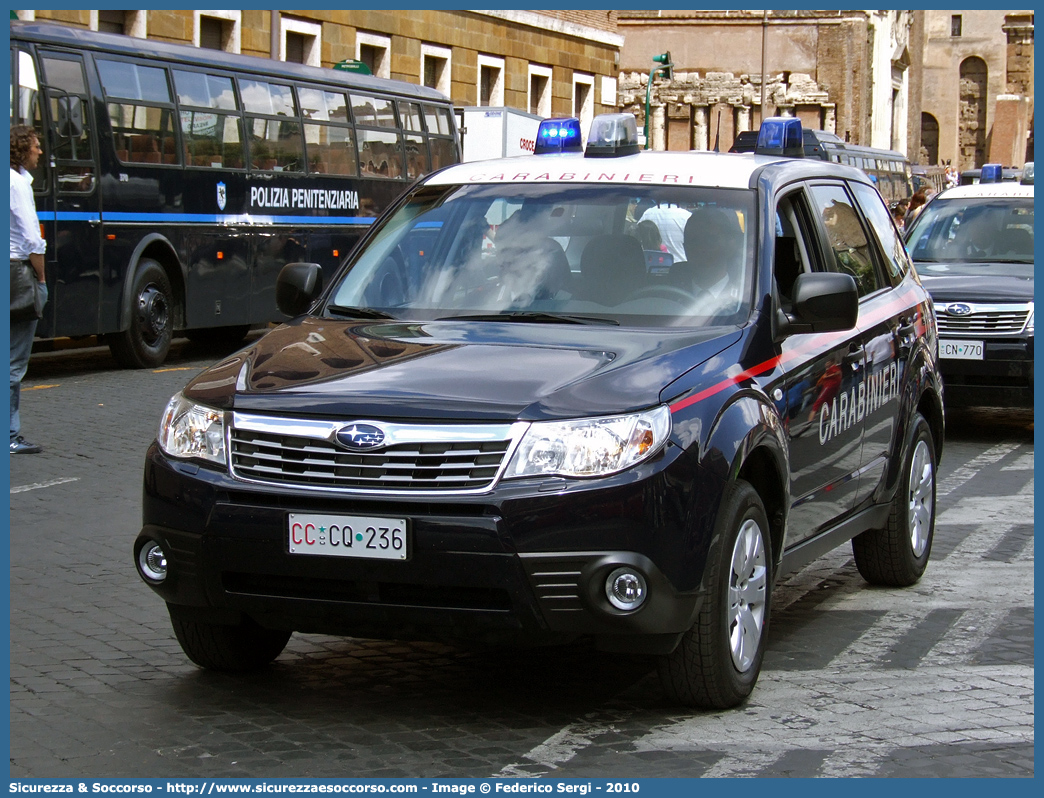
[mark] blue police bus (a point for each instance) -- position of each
(176, 182)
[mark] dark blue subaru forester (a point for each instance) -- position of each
(593, 393)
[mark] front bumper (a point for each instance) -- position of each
(1003, 378)
(526, 563)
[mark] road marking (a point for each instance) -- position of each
(39, 387)
(49, 484)
(562, 746)
(973, 466)
(176, 368)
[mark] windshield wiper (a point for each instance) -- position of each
(534, 316)
(359, 313)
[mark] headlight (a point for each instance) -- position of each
(1029, 321)
(191, 430)
(590, 447)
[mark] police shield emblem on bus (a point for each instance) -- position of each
(222, 196)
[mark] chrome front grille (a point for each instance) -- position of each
(982, 320)
(418, 458)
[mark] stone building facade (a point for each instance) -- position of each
(843, 71)
(977, 94)
(554, 63)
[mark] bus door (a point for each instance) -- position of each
(74, 273)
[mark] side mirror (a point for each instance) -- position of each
(823, 302)
(297, 287)
(70, 117)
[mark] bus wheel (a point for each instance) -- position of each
(146, 341)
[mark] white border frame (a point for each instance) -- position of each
(235, 17)
(496, 97)
(444, 53)
(380, 42)
(544, 103)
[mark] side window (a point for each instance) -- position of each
(141, 112)
(417, 162)
(795, 251)
(329, 138)
(25, 109)
(380, 143)
(896, 260)
(849, 247)
(210, 124)
(71, 123)
(441, 140)
(273, 127)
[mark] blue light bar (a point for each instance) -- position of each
(991, 173)
(612, 135)
(558, 135)
(781, 135)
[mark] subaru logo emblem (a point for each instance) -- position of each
(958, 309)
(360, 437)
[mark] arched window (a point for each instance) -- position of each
(972, 114)
(929, 139)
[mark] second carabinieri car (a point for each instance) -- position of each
(973, 247)
(513, 416)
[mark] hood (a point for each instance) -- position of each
(965, 282)
(478, 371)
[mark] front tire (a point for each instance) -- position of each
(146, 341)
(232, 649)
(897, 555)
(718, 660)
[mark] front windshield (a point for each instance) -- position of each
(632, 255)
(975, 231)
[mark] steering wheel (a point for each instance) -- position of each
(665, 291)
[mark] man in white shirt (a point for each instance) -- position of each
(26, 245)
(670, 219)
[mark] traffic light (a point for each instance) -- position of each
(668, 66)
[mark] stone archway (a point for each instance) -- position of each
(972, 120)
(929, 139)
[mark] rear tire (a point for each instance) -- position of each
(897, 555)
(718, 660)
(146, 341)
(231, 649)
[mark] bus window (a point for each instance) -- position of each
(275, 143)
(140, 110)
(373, 111)
(212, 139)
(329, 139)
(380, 154)
(416, 156)
(66, 76)
(205, 91)
(410, 114)
(25, 109)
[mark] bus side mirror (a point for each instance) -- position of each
(70, 117)
(297, 287)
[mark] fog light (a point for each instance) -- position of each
(625, 589)
(152, 562)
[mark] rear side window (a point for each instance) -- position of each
(897, 261)
(849, 246)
